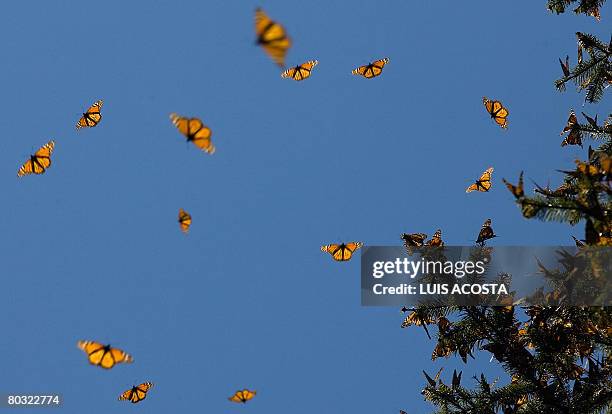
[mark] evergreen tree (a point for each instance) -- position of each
(558, 357)
(588, 7)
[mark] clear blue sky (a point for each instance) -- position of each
(92, 250)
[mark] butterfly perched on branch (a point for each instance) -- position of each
(517, 191)
(486, 233)
(575, 135)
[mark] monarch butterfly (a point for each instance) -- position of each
(456, 379)
(242, 396)
(272, 37)
(443, 324)
(195, 131)
(486, 232)
(565, 66)
(517, 190)
(417, 320)
(413, 240)
(342, 252)
(91, 117)
(586, 168)
(103, 355)
(300, 72)
(594, 12)
(605, 163)
(441, 351)
(575, 135)
(592, 122)
(371, 70)
(39, 162)
(483, 184)
(137, 393)
(497, 111)
(436, 240)
(184, 219)
(433, 381)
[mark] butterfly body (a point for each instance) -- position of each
(137, 393)
(39, 162)
(371, 70)
(497, 111)
(483, 184)
(342, 252)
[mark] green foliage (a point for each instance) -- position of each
(558, 358)
(593, 75)
(588, 7)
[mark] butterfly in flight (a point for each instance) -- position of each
(300, 72)
(371, 70)
(486, 233)
(137, 393)
(342, 252)
(184, 219)
(413, 240)
(272, 37)
(575, 135)
(436, 240)
(242, 396)
(497, 111)
(483, 183)
(91, 117)
(195, 131)
(39, 162)
(517, 190)
(102, 355)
